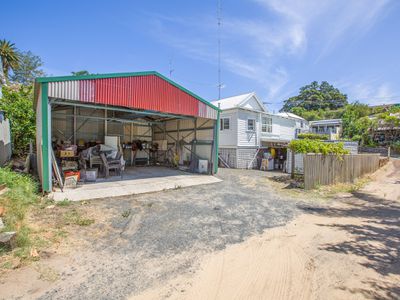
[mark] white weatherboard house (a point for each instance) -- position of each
(246, 127)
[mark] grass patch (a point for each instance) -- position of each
(73, 217)
(22, 193)
(63, 203)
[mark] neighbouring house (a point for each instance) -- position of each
(302, 125)
(248, 132)
(90, 124)
(387, 130)
(331, 127)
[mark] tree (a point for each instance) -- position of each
(18, 107)
(316, 96)
(28, 69)
(80, 73)
(9, 57)
(356, 123)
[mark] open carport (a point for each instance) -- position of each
(150, 120)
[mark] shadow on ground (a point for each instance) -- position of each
(377, 240)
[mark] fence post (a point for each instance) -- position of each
(293, 164)
(389, 152)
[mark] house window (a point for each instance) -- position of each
(266, 124)
(224, 124)
(251, 124)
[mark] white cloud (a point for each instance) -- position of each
(259, 48)
(371, 91)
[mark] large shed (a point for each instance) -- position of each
(144, 106)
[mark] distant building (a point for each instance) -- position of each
(331, 127)
(248, 132)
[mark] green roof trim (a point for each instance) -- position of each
(129, 74)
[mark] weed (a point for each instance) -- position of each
(23, 239)
(73, 217)
(64, 202)
(84, 222)
(7, 265)
(126, 213)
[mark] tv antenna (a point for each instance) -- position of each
(219, 19)
(171, 69)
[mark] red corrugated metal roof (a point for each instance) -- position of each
(144, 91)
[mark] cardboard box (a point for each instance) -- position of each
(67, 153)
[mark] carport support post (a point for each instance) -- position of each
(216, 142)
(46, 158)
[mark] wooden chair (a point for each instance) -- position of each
(114, 164)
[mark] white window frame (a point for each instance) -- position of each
(266, 127)
(222, 127)
(254, 124)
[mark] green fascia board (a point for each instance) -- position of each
(129, 74)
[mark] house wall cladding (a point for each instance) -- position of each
(245, 156)
(5, 141)
(229, 156)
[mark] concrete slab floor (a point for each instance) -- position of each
(136, 180)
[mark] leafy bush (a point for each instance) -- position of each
(316, 146)
(17, 102)
(312, 136)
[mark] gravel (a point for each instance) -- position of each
(156, 236)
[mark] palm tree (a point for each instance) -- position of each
(9, 57)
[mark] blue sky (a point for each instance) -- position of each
(272, 47)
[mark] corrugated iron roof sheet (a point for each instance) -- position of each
(146, 91)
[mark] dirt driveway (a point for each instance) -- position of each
(235, 239)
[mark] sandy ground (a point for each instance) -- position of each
(236, 239)
(347, 251)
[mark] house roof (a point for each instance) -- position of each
(237, 101)
(290, 115)
(326, 122)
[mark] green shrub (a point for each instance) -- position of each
(312, 136)
(17, 102)
(315, 146)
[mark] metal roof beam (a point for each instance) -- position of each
(137, 112)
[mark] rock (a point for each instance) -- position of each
(50, 207)
(8, 240)
(1, 224)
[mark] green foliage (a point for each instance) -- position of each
(357, 125)
(320, 114)
(17, 102)
(316, 146)
(312, 136)
(80, 73)
(21, 194)
(73, 217)
(9, 57)
(28, 68)
(316, 96)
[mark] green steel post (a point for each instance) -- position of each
(45, 139)
(216, 144)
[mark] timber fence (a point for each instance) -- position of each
(330, 169)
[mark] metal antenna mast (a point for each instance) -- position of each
(219, 18)
(171, 70)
